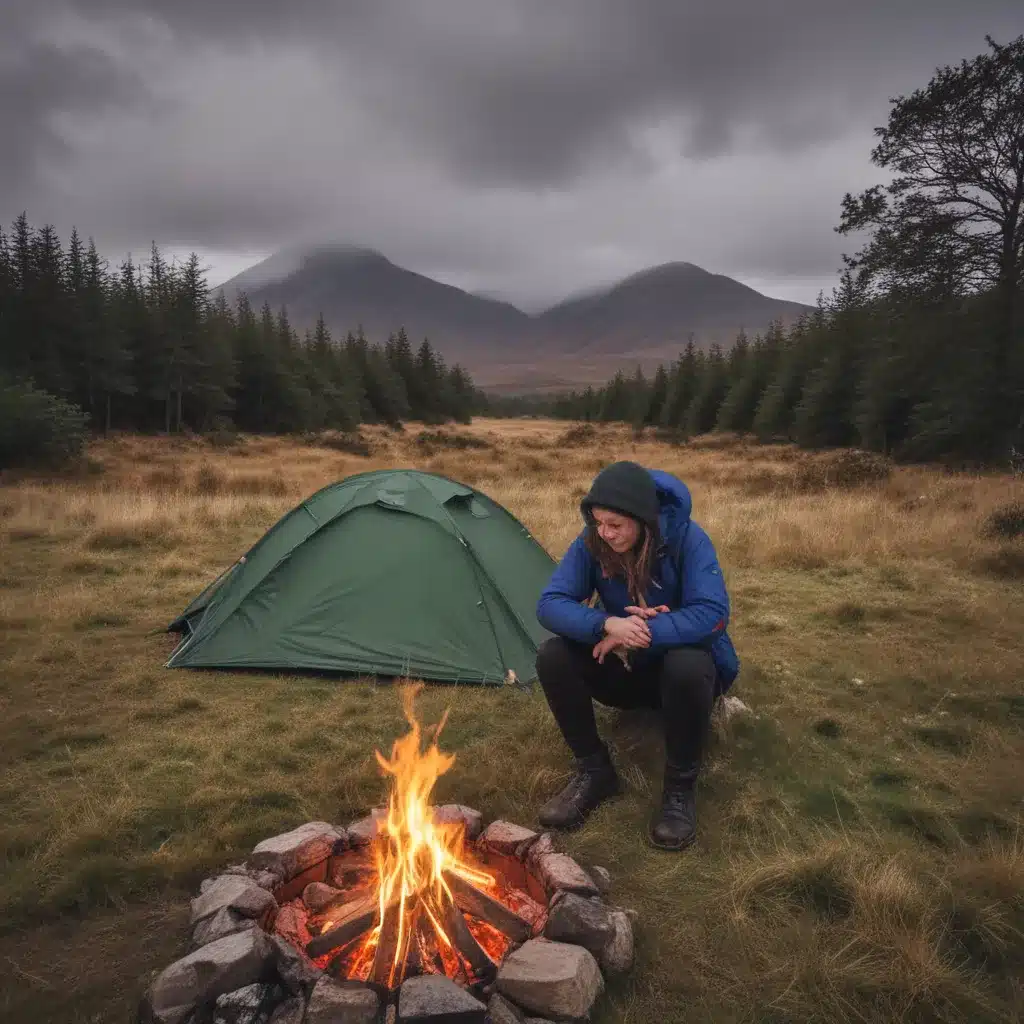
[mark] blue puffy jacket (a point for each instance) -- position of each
(687, 578)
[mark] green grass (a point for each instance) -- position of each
(860, 855)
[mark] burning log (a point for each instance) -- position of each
(354, 919)
(387, 959)
(476, 902)
(471, 950)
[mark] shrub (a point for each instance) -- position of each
(1006, 522)
(431, 440)
(578, 436)
(38, 429)
(350, 444)
(849, 467)
(222, 433)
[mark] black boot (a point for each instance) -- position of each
(594, 782)
(674, 827)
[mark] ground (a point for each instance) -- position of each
(860, 854)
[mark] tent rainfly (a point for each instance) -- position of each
(394, 573)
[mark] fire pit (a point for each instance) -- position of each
(413, 914)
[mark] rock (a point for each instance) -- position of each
(391, 1014)
(582, 921)
(199, 978)
(238, 892)
(294, 887)
(362, 832)
(502, 1011)
(333, 1002)
(435, 999)
(560, 871)
(506, 837)
(224, 922)
(459, 813)
(602, 879)
(540, 847)
(555, 979)
(729, 707)
(290, 924)
(265, 879)
(318, 895)
(297, 972)
(291, 853)
(291, 1011)
(252, 1004)
(617, 955)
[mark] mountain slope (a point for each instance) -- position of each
(353, 286)
(661, 306)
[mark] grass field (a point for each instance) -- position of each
(860, 857)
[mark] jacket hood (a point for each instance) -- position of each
(674, 500)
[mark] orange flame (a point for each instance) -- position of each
(412, 850)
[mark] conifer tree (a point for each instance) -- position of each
(702, 412)
(682, 386)
(659, 394)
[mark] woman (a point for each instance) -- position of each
(659, 639)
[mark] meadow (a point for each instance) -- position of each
(860, 855)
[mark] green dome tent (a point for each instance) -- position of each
(392, 573)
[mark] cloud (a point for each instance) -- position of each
(522, 146)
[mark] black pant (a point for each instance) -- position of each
(681, 683)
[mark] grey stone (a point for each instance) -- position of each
(729, 707)
(616, 956)
(459, 813)
(502, 1011)
(335, 1003)
(391, 1014)
(291, 1011)
(264, 878)
(363, 832)
(252, 1004)
(199, 978)
(319, 895)
(435, 998)
(602, 878)
(540, 847)
(582, 921)
(560, 871)
(224, 922)
(291, 853)
(506, 837)
(238, 892)
(297, 972)
(555, 979)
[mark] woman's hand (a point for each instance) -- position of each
(605, 647)
(647, 613)
(629, 632)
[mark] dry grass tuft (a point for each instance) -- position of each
(859, 857)
(1006, 522)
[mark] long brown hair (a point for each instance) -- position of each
(635, 567)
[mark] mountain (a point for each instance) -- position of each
(351, 285)
(644, 319)
(659, 306)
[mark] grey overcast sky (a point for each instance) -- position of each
(521, 148)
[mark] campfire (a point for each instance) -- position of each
(415, 913)
(422, 904)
